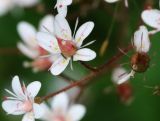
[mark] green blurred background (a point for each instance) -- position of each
(101, 105)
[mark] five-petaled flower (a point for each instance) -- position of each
(65, 46)
(62, 110)
(7, 5)
(22, 100)
(151, 17)
(30, 47)
(140, 60)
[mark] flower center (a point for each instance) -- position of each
(140, 62)
(67, 47)
(27, 106)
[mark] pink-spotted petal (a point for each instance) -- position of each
(84, 54)
(59, 65)
(27, 51)
(83, 32)
(62, 28)
(33, 88)
(60, 102)
(17, 88)
(27, 33)
(151, 17)
(63, 3)
(48, 42)
(77, 112)
(46, 24)
(13, 107)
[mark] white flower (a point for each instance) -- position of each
(7, 5)
(61, 6)
(151, 17)
(141, 40)
(62, 110)
(120, 75)
(30, 47)
(22, 100)
(65, 45)
(113, 1)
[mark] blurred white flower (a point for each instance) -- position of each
(113, 1)
(7, 5)
(151, 17)
(61, 6)
(62, 110)
(22, 100)
(120, 75)
(30, 47)
(141, 40)
(66, 46)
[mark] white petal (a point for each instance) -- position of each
(47, 112)
(83, 32)
(28, 33)
(13, 107)
(118, 74)
(48, 42)
(60, 101)
(17, 88)
(111, 1)
(38, 111)
(27, 51)
(77, 112)
(5, 6)
(141, 40)
(26, 3)
(46, 24)
(33, 88)
(84, 54)
(151, 17)
(63, 3)
(62, 11)
(126, 77)
(59, 65)
(62, 28)
(28, 117)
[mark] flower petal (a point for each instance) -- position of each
(47, 112)
(62, 28)
(59, 65)
(26, 3)
(28, 33)
(48, 42)
(13, 107)
(111, 1)
(84, 54)
(62, 11)
(33, 88)
(63, 3)
(38, 111)
(83, 32)
(17, 88)
(5, 6)
(60, 102)
(151, 17)
(118, 74)
(28, 117)
(29, 52)
(77, 112)
(46, 24)
(141, 40)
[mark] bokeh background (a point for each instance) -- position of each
(115, 24)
